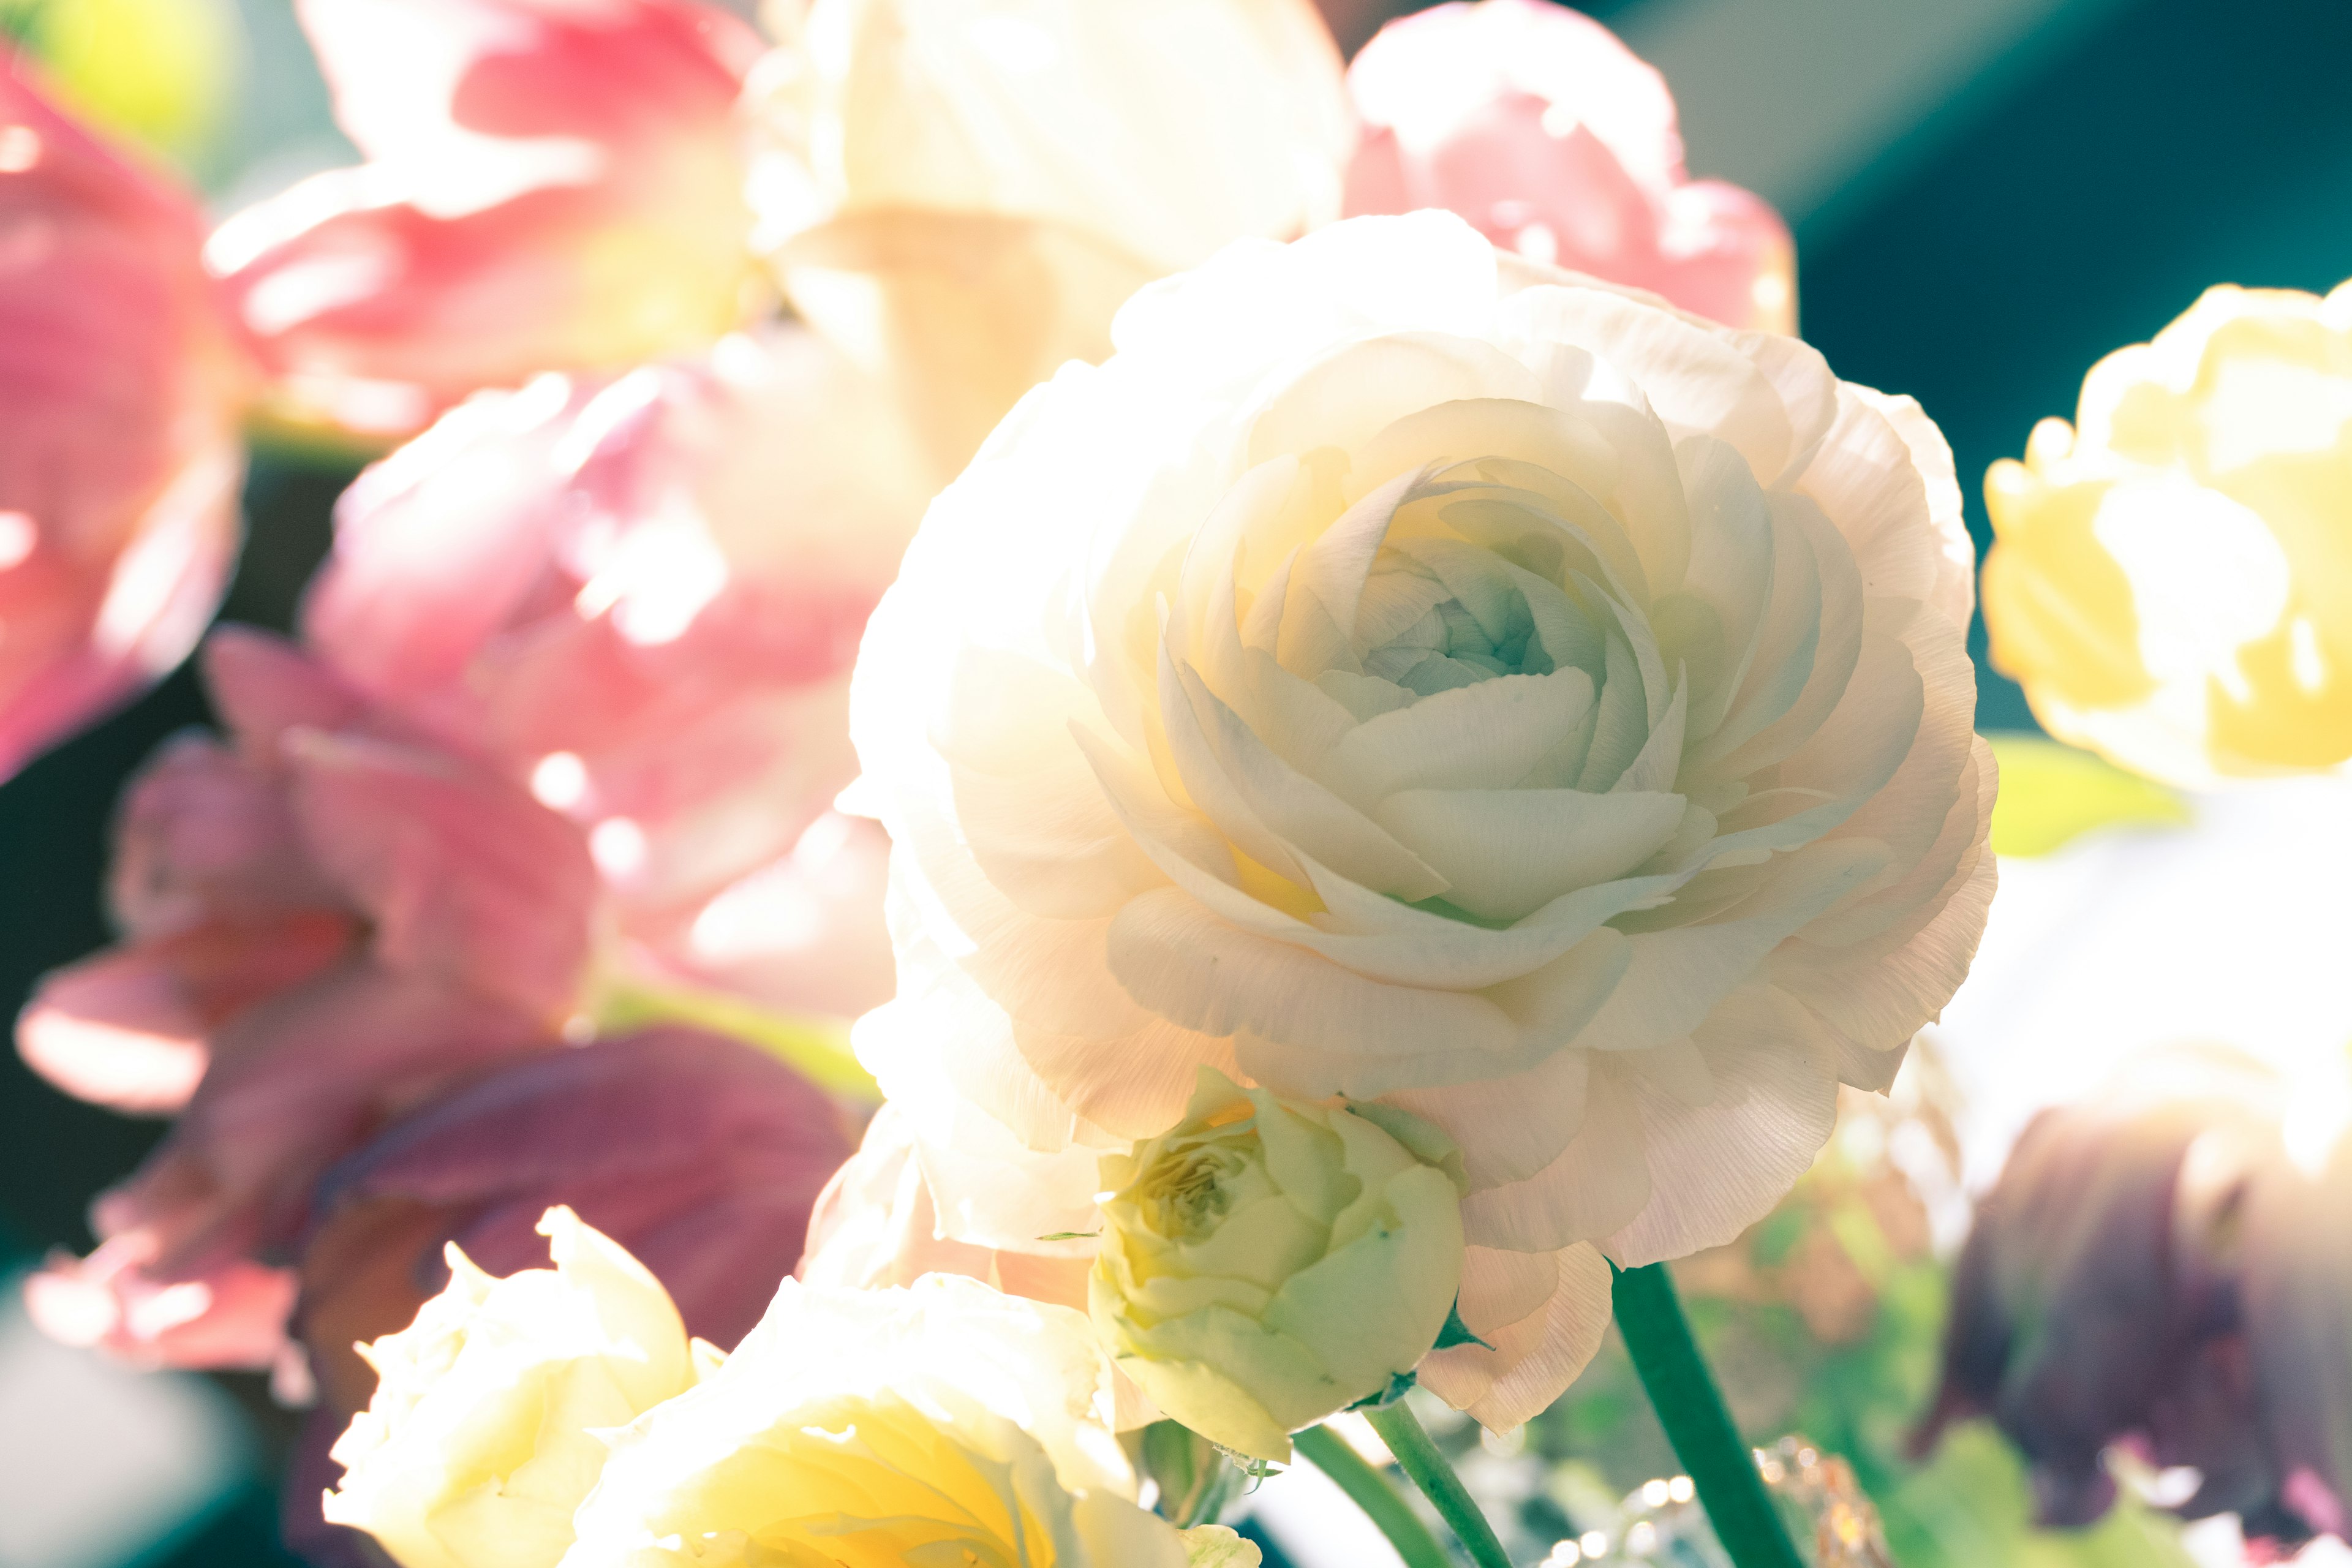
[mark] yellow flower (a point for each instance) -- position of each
(1266, 1262)
(481, 1439)
(942, 1423)
(2171, 579)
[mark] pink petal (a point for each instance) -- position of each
(519, 148)
(1532, 121)
(233, 1316)
(296, 1082)
(465, 875)
(699, 1153)
(263, 685)
(204, 835)
(130, 1028)
(120, 393)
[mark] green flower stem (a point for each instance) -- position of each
(1419, 1458)
(1691, 1409)
(1369, 1490)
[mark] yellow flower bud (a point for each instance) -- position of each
(482, 1437)
(1266, 1262)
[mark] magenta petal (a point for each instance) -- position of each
(296, 1082)
(119, 394)
(701, 1154)
(465, 875)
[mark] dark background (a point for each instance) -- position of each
(2175, 144)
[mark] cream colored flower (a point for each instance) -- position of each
(2171, 579)
(965, 190)
(1266, 1263)
(1412, 675)
(944, 1423)
(481, 1439)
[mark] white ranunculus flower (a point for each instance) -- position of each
(1404, 675)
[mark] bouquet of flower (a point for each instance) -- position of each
(1087, 755)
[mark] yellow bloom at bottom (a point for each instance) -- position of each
(943, 1425)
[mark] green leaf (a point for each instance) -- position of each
(1070, 1235)
(1457, 1331)
(2050, 794)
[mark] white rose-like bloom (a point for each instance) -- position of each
(482, 1437)
(963, 191)
(1502, 697)
(942, 1423)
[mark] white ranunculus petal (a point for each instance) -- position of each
(1713, 1164)
(1504, 852)
(1536, 1352)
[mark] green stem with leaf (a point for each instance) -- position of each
(1691, 1409)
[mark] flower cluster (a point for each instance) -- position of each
(1367, 741)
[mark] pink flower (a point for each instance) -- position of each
(641, 601)
(569, 719)
(2152, 1272)
(327, 924)
(1536, 124)
(120, 394)
(552, 185)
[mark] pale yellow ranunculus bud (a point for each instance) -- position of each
(2171, 578)
(482, 1437)
(1266, 1262)
(941, 1423)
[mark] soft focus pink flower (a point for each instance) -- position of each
(701, 1154)
(326, 923)
(642, 602)
(570, 715)
(2153, 1273)
(1535, 123)
(120, 394)
(552, 185)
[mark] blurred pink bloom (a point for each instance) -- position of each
(570, 715)
(119, 397)
(1536, 124)
(642, 602)
(552, 185)
(2153, 1273)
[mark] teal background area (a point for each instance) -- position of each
(2087, 186)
